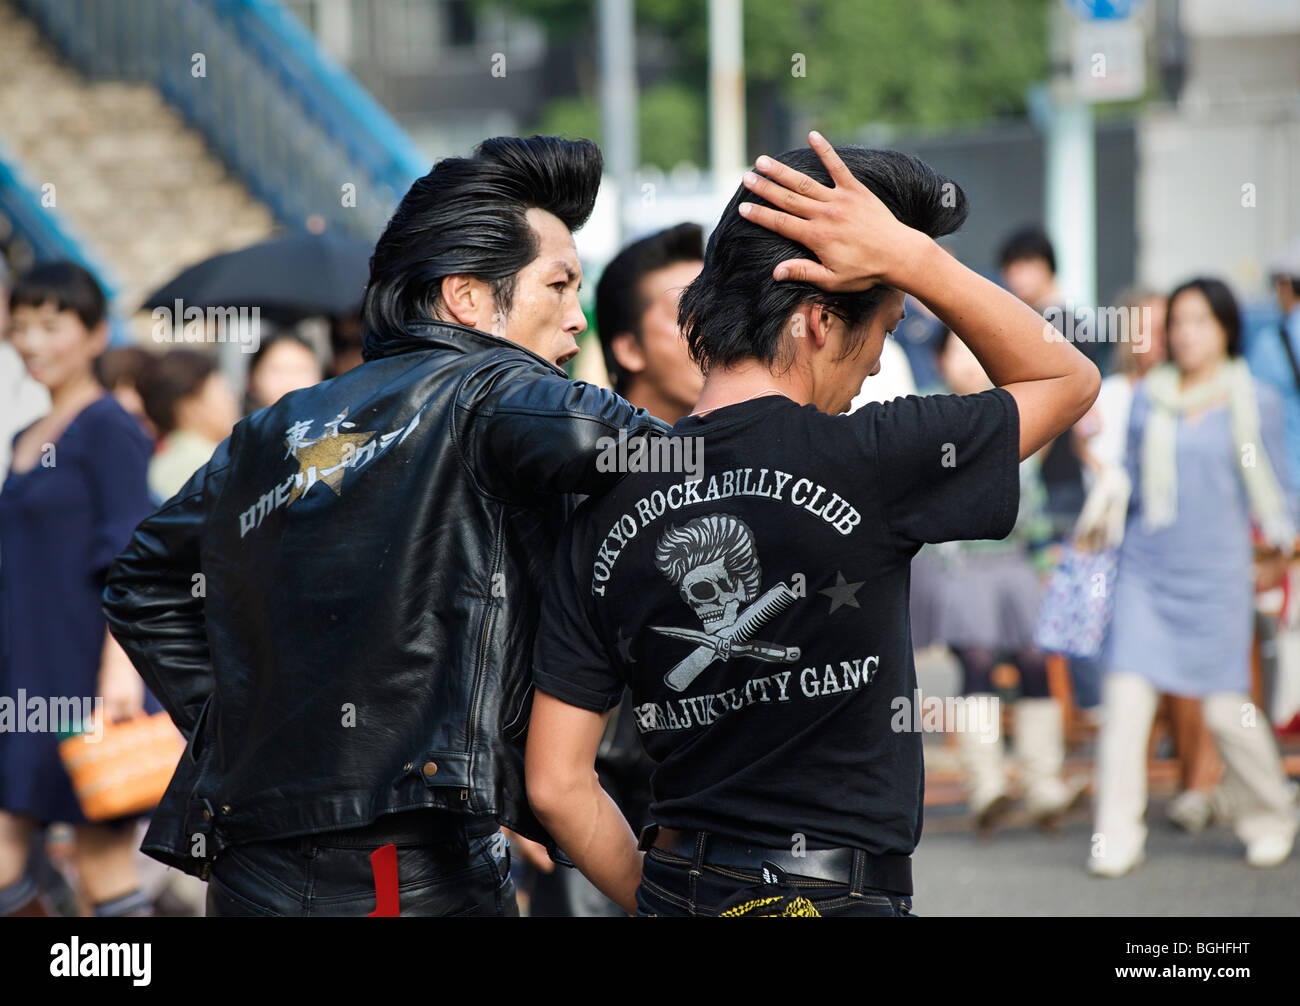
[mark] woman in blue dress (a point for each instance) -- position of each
(76, 488)
(1205, 455)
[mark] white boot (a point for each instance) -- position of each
(1264, 810)
(982, 758)
(1128, 705)
(1192, 810)
(1040, 750)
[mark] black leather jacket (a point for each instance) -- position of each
(338, 609)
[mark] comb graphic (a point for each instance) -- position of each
(722, 644)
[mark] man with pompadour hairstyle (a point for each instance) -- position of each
(352, 675)
(770, 670)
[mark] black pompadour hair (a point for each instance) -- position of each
(466, 216)
(619, 303)
(735, 310)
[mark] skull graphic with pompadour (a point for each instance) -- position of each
(713, 562)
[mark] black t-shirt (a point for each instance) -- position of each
(760, 613)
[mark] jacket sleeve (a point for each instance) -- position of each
(154, 598)
(525, 429)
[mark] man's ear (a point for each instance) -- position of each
(629, 352)
(461, 298)
(818, 323)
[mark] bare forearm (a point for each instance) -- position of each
(593, 833)
(1011, 340)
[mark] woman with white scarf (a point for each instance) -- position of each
(1205, 456)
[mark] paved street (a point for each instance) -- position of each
(1023, 872)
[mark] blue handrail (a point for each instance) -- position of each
(285, 118)
(338, 91)
(50, 237)
(44, 230)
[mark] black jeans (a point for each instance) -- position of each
(666, 890)
(440, 874)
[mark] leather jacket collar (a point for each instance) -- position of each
(430, 333)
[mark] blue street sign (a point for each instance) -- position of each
(1103, 10)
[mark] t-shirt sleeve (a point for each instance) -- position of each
(948, 465)
(570, 662)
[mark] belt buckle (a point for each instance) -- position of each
(647, 838)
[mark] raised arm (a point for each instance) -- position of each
(859, 244)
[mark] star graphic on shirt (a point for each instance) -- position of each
(842, 593)
(625, 647)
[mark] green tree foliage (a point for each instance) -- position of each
(924, 63)
(671, 128)
(838, 65)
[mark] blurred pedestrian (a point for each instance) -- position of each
(190, 403)
(75, 491)
(1100, 440)
(345, 344)
(636, 314)
(1274, 352)
(118, 370)
(984, 606)
(284, 362)
(1205, 454)
(1101, 437)
(23, 399)
(1027, 262)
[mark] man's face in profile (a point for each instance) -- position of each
(666, 361)
(845, 376)
(546, 316)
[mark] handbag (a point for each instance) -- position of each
(1079, 602)
(127, 769)
(1080, 596)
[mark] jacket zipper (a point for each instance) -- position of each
(482, 666)
(478, 690)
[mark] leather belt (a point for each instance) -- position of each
(408, 828)
(891, 873)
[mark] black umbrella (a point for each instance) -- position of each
(289, 277)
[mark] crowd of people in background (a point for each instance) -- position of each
(97, 436)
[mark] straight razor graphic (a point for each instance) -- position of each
(735, 639)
